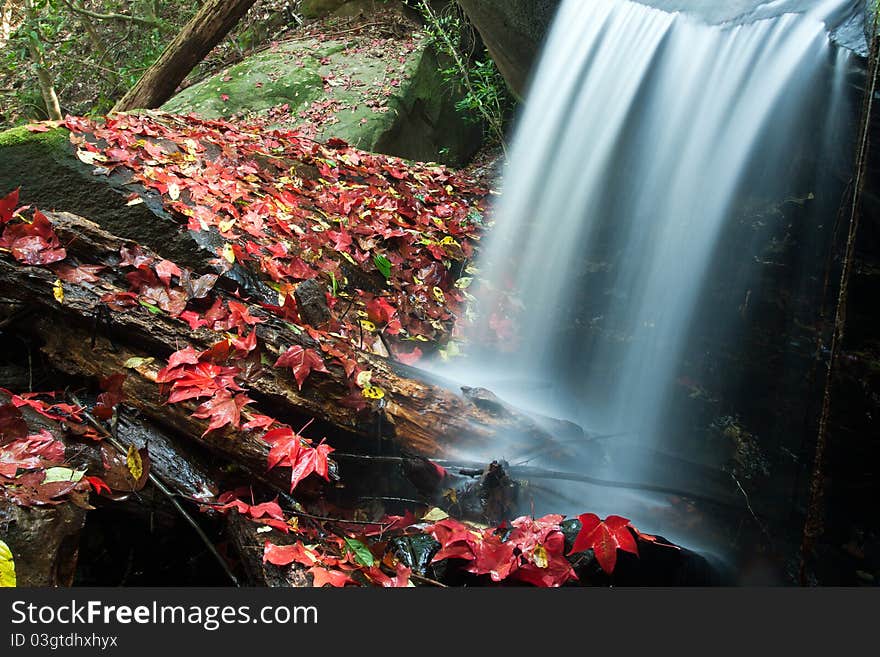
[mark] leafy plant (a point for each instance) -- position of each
(486, 97)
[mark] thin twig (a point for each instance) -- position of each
(165, 490)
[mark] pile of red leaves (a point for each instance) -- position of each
(387, 240)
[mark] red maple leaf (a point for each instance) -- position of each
(165, 270)
(409, 358)
(7, 206)
(324, 576)
(222, 409)
(80, 274)
(282, 555)
(379, 310)
(98, 485)
(240, 316)
(604, 537)
(302, 362)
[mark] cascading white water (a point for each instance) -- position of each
(641, 128)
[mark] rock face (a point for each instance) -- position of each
(377, 91)
(513, 30)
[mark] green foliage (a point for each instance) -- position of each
(486, 97)
(93, 61)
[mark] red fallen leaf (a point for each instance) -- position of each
(7, 206)
(224, 97)
(456, 540)
(379, 310)
(240, 316)
(222, 409)
(282, 555)
(196, 287)
(186, 356)
(80, 274)
(120, 301)
(217, 352)
(34, 250)
(400, 579)
(390, 523)
(133, 257)
(493, 556)
(12, 424)
(98, 485)
(165, 270)
(411, 357)
(193, 319)
(246, 344)
(545, 564)
(309, 460)
(38, 127)
(258, 421)
(270, 509)
(36, 451)
(302, 362)
(112, 395)
(324, 576)
(604, 538)
(341, 239)
(286, 444)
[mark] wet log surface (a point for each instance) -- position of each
(420, 417)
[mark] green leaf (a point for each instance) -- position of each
(135, 362)
(62, 474)
(383, 264)
(7, 566)
(153, 309)
(361, 552)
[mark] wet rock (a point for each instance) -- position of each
(312, 302)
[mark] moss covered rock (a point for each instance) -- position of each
(45, 167)
(377, 92)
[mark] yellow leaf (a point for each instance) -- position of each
(226, 225)
(347, 257)
(58, 290)
(448, 241)
(363, 378)
(539, 556)
(373, 392)
(7, 566)
(451, 495)
(438, 294)
(368, 325)
(435, 515)
(464, 282)
(173, 191)
(228, 253)
(134, 463)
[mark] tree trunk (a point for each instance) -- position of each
(192, 44)
(44, 79)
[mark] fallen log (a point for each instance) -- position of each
(422, 418)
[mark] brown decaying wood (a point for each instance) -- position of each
(197, 38)
(420, 417)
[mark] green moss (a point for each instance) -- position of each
(259, 83)
(419, 120)
(21, 135)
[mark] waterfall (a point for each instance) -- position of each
(640, 132)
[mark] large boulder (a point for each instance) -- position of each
(377, 91)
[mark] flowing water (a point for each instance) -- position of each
(641, 131)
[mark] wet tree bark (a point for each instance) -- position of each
(192, 44)
(419, 417)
